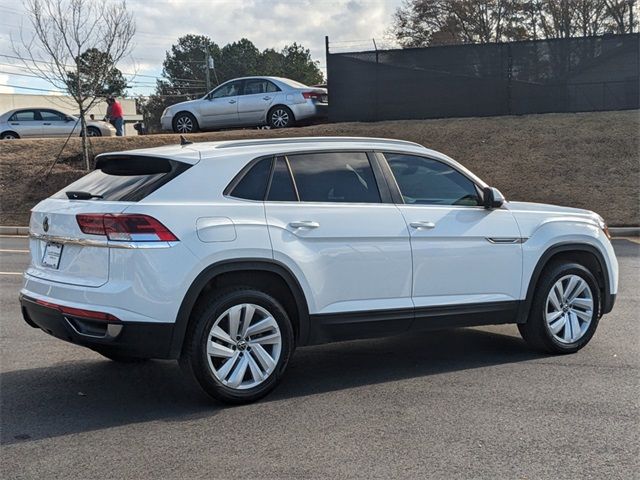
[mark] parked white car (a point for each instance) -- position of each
(47, 122)
(229, 255)
(250, 101)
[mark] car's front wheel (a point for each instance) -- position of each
(9, 136)
(238, 345)
(185, 123)
(280, 117)
(565, 309)
(93, 132)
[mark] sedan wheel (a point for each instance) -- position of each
(9, 136)
(280, 117)
(93, 132)
(243, 346)
(185, 123)
(569, 309)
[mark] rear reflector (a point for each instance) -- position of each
(79, 312)
(125, 227)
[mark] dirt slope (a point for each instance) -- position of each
(586, 160)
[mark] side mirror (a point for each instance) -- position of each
(492, 198)
(68, 119)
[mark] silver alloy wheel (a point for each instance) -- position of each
(9, 136)
(280, 118)
(93, 132)
(243, 346)
(569, 309)
(184, 124)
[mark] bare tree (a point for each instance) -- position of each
(62, 31)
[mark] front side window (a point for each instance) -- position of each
(52, 116)
(24, 116)
(230, 89)
(425, 181)
(334, 177)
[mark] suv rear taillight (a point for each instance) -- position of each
(125, 227)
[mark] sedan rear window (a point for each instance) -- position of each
(125, 178)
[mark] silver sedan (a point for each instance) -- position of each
(47, 122)
(249, 101)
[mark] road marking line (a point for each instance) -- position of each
(10, 273)
(9, 250)
(14, 236)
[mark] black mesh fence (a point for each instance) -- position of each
(560, 75)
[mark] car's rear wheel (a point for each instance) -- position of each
(9, 136)
(280, 117)
(565, 309)
(239, 345)
(185, 123)
(93, 132)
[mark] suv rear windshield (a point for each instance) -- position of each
(125, 178)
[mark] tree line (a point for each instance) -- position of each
(185, 67)
(421, 23)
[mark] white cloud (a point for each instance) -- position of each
(4, 80)
(267, 23)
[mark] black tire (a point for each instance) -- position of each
(536, 332)
(194, 358)
(9, 136)
(93, 132)
(119, 358)
(184, 122)
(280, 117)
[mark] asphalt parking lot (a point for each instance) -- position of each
(469, 403)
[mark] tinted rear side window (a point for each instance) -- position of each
(253, 184)
(281, 188)
(334, 177)
(127, 179)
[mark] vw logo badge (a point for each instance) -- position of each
(45, 224)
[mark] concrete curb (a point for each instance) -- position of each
(624, 231)
(22, 231)
(615, 231)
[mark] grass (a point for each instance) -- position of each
(584, 160)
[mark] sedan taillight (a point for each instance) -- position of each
(125, 227)
(312, 95)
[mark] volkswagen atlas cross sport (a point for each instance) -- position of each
(229, 255)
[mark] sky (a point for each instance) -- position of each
(350, 24)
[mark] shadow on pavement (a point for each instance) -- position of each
(83, 396)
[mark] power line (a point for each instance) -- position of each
(30, 88)
(161, 77)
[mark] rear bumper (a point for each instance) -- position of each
(309, 110)
(135, 339)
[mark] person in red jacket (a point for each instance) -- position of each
(114, 115)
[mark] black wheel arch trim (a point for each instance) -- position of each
(244, 265)
(608, 299)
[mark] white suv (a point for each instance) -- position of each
(228, 255)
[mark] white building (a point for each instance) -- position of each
(66, 104)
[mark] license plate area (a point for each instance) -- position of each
(52, 255)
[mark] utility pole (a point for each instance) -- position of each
(207, 64)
